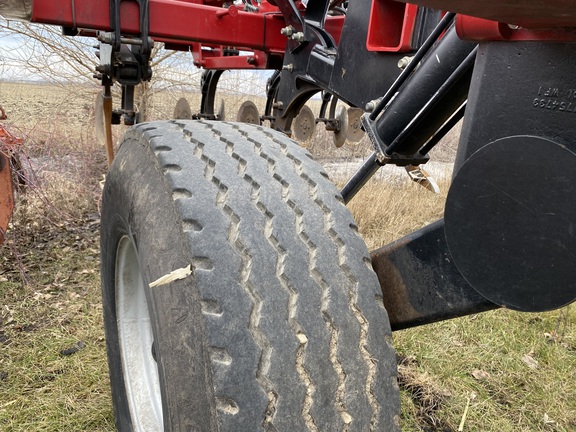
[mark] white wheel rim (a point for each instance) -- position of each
(135, 338)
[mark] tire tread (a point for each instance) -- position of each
(272, 242)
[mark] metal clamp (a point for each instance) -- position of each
(144, 25)
(384, 155)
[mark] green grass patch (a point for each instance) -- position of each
(516, 369)
(53, 370)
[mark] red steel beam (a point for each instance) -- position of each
(171, 20)
(530, 14)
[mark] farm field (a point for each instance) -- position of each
(497, 371)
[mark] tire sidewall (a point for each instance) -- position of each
(137, 203)
(115, 230)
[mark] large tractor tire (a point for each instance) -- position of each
(279, 325)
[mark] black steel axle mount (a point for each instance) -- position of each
(508, 237)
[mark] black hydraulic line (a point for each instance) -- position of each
(428, 43)
(366, 171)
(440, 64)
(428, 100)
(371, 165)
(441, 133)
(465, 67)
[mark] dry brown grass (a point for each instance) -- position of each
(385, 212)
(49, 279)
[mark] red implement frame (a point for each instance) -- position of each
(391, 26)
(529, 14)
(184, 25)
(479, 29)
(206, 27)
(175, 22)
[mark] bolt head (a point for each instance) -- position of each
(287, 31)
(299, 36)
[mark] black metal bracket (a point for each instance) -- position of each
(125, 59)
(144, 25)
(271, 92)
(384, 155)
(209, 82)
(420, 283)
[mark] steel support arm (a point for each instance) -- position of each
(171, 21)
(420, 282)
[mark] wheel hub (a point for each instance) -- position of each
(137, 348)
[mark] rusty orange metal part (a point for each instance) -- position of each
(8, 142)
(6, 195)
(107, 106)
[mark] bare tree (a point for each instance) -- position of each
(42, 53)
(38, 52)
